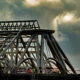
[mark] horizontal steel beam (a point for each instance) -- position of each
(28, 32)
(17, 25)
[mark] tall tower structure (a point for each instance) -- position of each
(24, 45)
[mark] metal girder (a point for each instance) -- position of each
(27, 42)
(23, 61)
(3, 42)
(16, 59)
(56, 54)
(42, 52)
(62, 53)
(19, 25)
(38, 46)
(37, 53)
(26, 49)
(4, 51)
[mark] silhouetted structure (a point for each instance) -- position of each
(24, 45)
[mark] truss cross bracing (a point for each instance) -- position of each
(24, 45)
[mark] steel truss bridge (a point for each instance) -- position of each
(24, 45)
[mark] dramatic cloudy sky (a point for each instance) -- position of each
(63, 16)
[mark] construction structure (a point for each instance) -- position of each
(24, 45)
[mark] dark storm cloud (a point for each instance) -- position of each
(44, 12)
(54, 10)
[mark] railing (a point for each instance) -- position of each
(19, 25)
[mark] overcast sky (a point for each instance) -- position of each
(63, 16)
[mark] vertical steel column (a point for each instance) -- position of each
(42, 53)
(37, 53)
(12, 60)
(16, 59)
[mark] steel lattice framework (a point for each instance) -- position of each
(23, 44)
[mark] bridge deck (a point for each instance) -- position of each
(41, 76)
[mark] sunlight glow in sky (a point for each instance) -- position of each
(32, 2)
(53, 0)
(68, 17)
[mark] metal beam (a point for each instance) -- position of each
(26, 48)
(10, 44)
(62, 53)
(17, 25)
(55, 54)
(42, 52)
